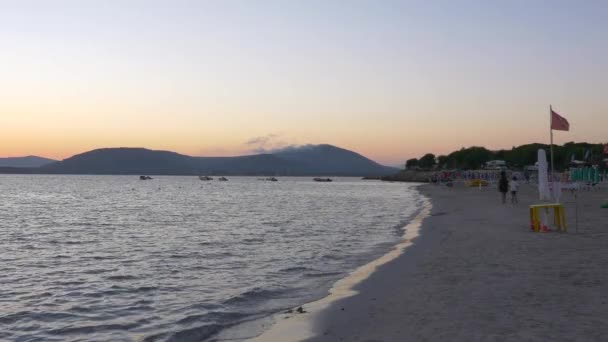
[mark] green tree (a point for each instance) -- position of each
(427, 161)
(411, 163)
(517, 157)
(469, 158)
(443, 161)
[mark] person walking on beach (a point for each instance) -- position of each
(514, 187)
(503, 186)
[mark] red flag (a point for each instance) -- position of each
(558, 122)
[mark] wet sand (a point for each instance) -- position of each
(477, 273)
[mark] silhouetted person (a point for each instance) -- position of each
(514, 187)
(503, 186)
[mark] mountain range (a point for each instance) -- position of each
(29, 161)
(305, 160)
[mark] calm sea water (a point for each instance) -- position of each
(113, 258)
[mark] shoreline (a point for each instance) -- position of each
(294, 326)
(477, 273)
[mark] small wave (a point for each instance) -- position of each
(322, 274)
(117, 290)
(273, 223)
(122, 277)
(156, 337)
(14, 317)
(97, 271)
(218, 255)
(295, 269)
(199, 267)
(217, 317)
(68, 282)
(81, 309)
(255, 295)
(91, 329)
(253, 240)
(76, 242)
(331, 257)
(180, 256)
(146, 288)
(114, 289)
(204, 306)
(31, 247)
(61, 256)
(195, 334)
(69, 242)
(35, 316)
(99, 257)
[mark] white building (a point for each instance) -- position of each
(496, 164)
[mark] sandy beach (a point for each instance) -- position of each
(477, 273)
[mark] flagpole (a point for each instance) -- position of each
(551, 134)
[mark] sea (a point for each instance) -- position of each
(115, 258)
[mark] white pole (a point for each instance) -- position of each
(576, 211)
(551, 134)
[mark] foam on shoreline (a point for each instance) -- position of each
(296, 326)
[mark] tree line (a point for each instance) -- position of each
(475, 157)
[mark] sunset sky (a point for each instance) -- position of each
(388, 79)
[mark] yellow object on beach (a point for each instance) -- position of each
(477, 183)
(559, 216)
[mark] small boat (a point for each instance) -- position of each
(205, 178)
(223, 179)
(322, 179)
(268, 179)
(145, 177)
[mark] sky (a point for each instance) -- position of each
(388, 79)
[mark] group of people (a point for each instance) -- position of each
(505, 186)
(486, 175)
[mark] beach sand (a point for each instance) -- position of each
(477, 273)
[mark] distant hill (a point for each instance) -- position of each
(23, 162)
(328, 159)
(306, 160)
(124, 161)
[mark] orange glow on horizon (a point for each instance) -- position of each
(398, 82)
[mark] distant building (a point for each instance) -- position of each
(496, 165)
(577, 163)
(532, 167)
